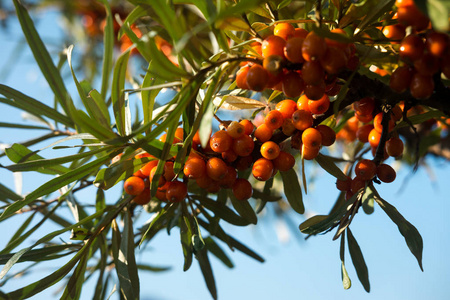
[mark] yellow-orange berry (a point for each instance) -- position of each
(220, 141)
(216, 168)
(134, 185)
(274, 119)
(194, 168)
(270, 150)
(262, 169)
(263, 133)
(302, 119)
(365, 169)
(284, 161)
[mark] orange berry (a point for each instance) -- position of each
(410, 15)
(270, 150)
(302, 103)
(310, 153)
(293, 50)
(301, 33)
(248, 126)
(146, 169)
(242, 189)
(386, 173)
(143, 198)
(312, 72)
(394, 147)
(377, 123)
(427, 65)
(161, 194)
(230, 177)
(334, 60)
(437, 43)
(220, 141)
(244, 162)
(314, 47)
(241, 78)
(273, 45)
(263, 133)
(395, 32)
(257, 78)
(284, 161)
(274, 65)
(262, 169)
(357, 184)
(138, 173)
(244, 145)
(365, 169)
(302, 119)
(320, 106)
(216, 168)
(176, 191)
(315, 92)
(401, 79)
(284, 30)
(286, 108)
(344, 185)
(412, 47)
(235, 130)
(169, 174)
(328, 135)
(292, 84)
(312, 138)
(288, 127)
(274, 119)
(362, 134)
(194, 168)
(229, 155)
(134, 185)
(421, 86)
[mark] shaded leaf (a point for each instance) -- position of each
(223, 212)
(292, 190)
(215, 249)
(328, 165)
(358, 260)
(205, 267)
(244, 209)
(346, 282)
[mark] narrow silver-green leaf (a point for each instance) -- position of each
(358, 260)
(328, 165)
(117, 94)
(292, 190)
(244, 209)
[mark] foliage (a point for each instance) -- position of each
(197, 61)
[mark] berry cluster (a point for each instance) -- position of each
(423, 53)
(296, 61)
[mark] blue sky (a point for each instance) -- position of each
(294, 269)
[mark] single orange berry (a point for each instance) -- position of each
(316, 91)
(241, 77)
(216, 168)
(284, 30)
(262, 169)
(143, 198)
(312, 72)
(220, 141)
(334, 60)
(292, 84)
(301, 33)
(302, 103)
(248, 126)
(244, 145)
(401, 79)
(194, 168)
(421, 86)
(230, 177)
(273, 45)
(344, 185)
(229, 155)
(412, 47)
(293, 50)
(242, 189)
(146, 169)
(284, 161)
(263, 133)
(314, 47)
(302, 119)
(362, 134)
(257, 78)
(320, 106)
(270, 150)
(286, 108)
(328, 135)
(386, 173)
(274, 119)
(176, 191)
(312, 138)
(288, 127)
(365, 169)
(394, 146)
(365, 106)
(134, 185)
(310, 153)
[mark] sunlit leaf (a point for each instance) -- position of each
(230, 102)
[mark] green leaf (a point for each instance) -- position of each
(215, 249)
(117, 94)
(438, 11)
(32, 106)
(368, 201)
(56, 183)
(41, 254)
(22, 126)
(92, 126)
(292, 190)
(223, 212)
(108, 50)
(43, 58)
(328, 165)
(410, 233)
(346, 282)
(205, 267)
(358, 260)
(186, 240)
(75, 283)
(6, 193)
(97, 105)
(244, 209)
(382, 7)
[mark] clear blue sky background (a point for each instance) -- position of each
(294, 269)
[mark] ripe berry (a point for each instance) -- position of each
(386, 173)
(319, 106)
(302, 119)
(328, 135)
(194, 168)
(301, 33)
(243, 146)
(374, 138)
(292, 84)
(334, 60)
(315, 92)
(312, 72)
(395, 32)
(274, 119)
(230, 177)
(412, 47)
(284, 161)
(273, 64)
(293, 50)
(169, 174)
(421, 86)
(302, 103)
(310, 153)
(410, 15)
(263, 133)
(270, 150)
(235, 130)
(344, 185)
(262, 169)
(401, 79)
(312, 138)
(286, 108)
(437, 43)
(161, 180)
(216, 168)
(220, 141)
(314, 47)
(284, 30)
(229, 155)
(248, 126)
(257, 78)
(394, 147)
(242, 189)
(146, 169)
(365, 169)
(377, 123)
(143, 198)
(241, 78)
(288, 127)
(365, 106)
(134, 185)
(362, 134)
(427, 65)
(176, 191)
(273, 45)
(357, 184)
